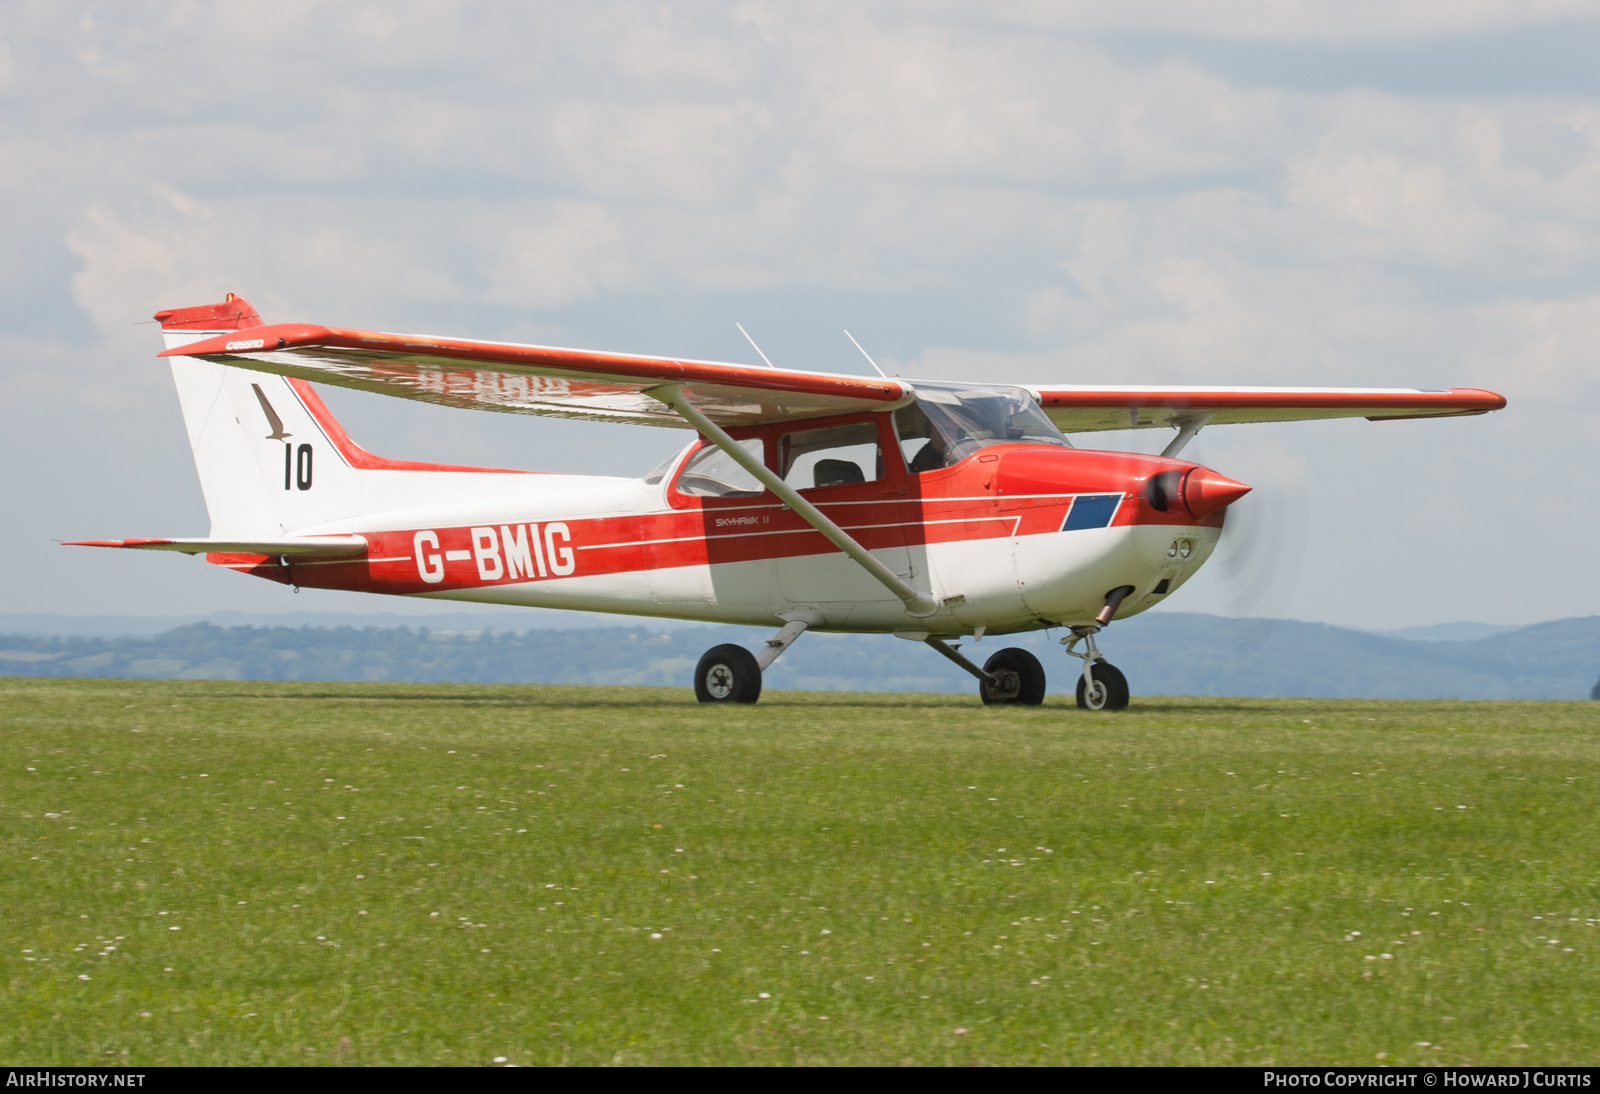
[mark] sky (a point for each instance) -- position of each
(1250, 191)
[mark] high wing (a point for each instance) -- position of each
(518, 379)
(574, 383)
(1090, 409)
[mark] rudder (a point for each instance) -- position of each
(266, 466)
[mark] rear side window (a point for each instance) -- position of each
(839, 455)
(711, 473)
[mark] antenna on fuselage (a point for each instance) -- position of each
(865, 354)
(753, 345)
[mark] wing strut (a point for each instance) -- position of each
(949, 651)
(916, 604)
(1188, 428)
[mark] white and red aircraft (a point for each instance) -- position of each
(808, 500)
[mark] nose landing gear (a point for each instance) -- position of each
(1102, 685)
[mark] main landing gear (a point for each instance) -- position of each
(727, 674)
(732, 674)
(1011, 676)
(1017, 678)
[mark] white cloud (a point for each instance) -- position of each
(570, 256)
(686, 154)
(1357, 20)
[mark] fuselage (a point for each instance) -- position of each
(1009, 537)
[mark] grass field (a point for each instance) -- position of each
(204, 873)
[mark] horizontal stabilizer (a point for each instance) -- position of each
(320, 547)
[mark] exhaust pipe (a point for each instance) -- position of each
(1114, 601)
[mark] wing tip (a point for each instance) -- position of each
(233, 312)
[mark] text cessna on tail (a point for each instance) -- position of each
(809, 500)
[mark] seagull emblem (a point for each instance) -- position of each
(273, 420)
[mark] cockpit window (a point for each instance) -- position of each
(659, 471)
(711, 473)
(947, 423)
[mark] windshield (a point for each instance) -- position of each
(712, 473)
(949, 422)
(659, 471)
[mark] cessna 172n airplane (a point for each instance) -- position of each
(807, 500)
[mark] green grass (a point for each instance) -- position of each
(446, 874)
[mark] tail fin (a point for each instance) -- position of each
(271, 458)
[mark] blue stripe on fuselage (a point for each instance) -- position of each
(1091, 511)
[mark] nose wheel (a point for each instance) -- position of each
(1102, 685)
(1105, 688)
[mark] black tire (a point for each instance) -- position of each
(1111, 689)
(727, 674)
(1021, 679)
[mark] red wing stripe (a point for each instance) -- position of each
(648, 370)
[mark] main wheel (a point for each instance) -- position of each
(1110, 691)
(1021, 678)
(727, 674)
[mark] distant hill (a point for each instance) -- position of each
(1438, 632)
(500, 618)
(1162, 654)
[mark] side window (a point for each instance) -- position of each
(920, 443)
(836, 456)
(711, 473)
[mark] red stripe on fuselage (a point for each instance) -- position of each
(955, 504)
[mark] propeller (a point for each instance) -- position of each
(1261, 555)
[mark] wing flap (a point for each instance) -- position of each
(320, 547)
(547, 380)
(1091, 409)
